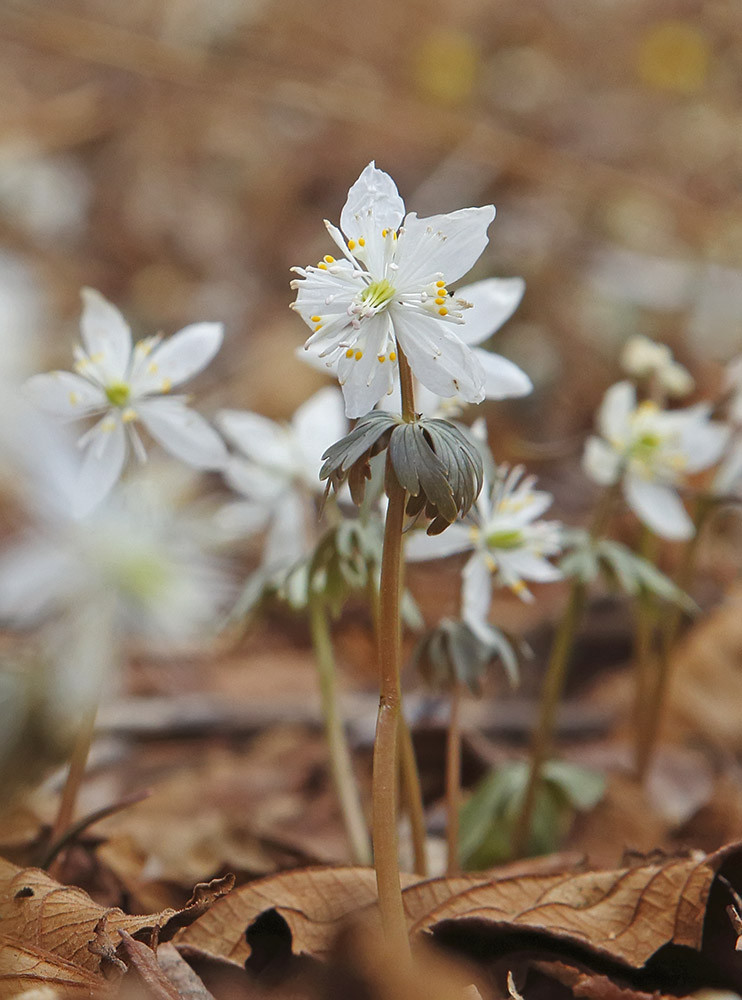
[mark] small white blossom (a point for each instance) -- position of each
(645, 358)
(122, 383)
(652, 452)
(277, 471)
(510, 544)
(391, 289)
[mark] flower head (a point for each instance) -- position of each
(123, 383)
(652, 452)
(276, 469)
(510, 544)
(645, 358)
(390, 291)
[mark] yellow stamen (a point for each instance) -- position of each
(129, 415)
(74, 399)
(329, 259)
(361, 242)
(166, 385)
(439, 302)
(318, 328)
(152, 367)
(358, 355)
(382, 358)
(315, 319)
(321, 266)
(384, 232)
(351, 244)
(349, 353)
(440, 284)
(443, 311)
(518, 587)
(392, 355)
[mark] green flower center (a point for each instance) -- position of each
(512, 539)
(378, 294)
(118, 393)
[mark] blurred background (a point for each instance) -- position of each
(180, 155)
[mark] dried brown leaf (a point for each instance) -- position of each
(63, 920)
(24, 967)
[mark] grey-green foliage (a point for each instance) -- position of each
(488, 818)
(587, 558)
(451, 653)
(436, 462)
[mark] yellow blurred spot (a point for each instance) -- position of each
(129, 415)
(674, 55)
(445, 66)
(166, 385)
(74, 399)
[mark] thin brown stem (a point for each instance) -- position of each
(386, 853)
(76, 773)
(453, 781)
(341, 764)
(412, 796)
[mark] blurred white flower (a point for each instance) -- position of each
(123, 383)
(733, 384)
(511, 545)
(390, 289)
(277, 471)
(645, 358)
(728, 480)
(652, 452)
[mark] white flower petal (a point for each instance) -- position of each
(601, 462)
(364, 382)
(456, 538)
(288, 537)
(618, 404)
(659, 507)
(33, 576)
(183, 433)
(442, 244)
(65, 394)
(318, 423)
(241, 519)
(180, 358)
(437, 356)
(502, 378)
(493, 301)
(703, 441)
(373, 204)
(476, 594)
(105, 335)
(528, 566)
(261, 440)
(105, 454)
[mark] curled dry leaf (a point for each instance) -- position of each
(625, 915)
(23, 968)
(63, 920)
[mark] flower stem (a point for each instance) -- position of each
(556, 672)
(657, 693)
(645, 665)
(75, 775)
(453, 781)
(412, 796)
(341, 764)
(389, 633)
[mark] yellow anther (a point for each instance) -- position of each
(382, 357)
(315, 319)
(358, 355)
(97, 357)
(440, 284)
(74, 399)
(361, 242)
(392, 355)
(152, 367)
(351, 244)
(128, 415)
(349, 353)
(321, 266)
(443, 311)
(317, 328)
(439, 302)
(384, 232)
(518, 587)
(329, 259)
(166, 385)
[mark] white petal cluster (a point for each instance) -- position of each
(390, 290)
(123, 383)
(510, 545)
(645, 358)
(276, 468)
(652, 452)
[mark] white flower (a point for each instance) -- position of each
(645, 358)
(492, 302)
(390, 290)
(124, 383)
(510, 544)
(652, 452)
(728, 480)
(277, 470)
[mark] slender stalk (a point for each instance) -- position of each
(644, 654)
(453, 781)
(657, 696)
(76, 773)
(341, 764)
(556, 672)
(412, 796)
(389, 633)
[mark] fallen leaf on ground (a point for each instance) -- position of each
(23, 967)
